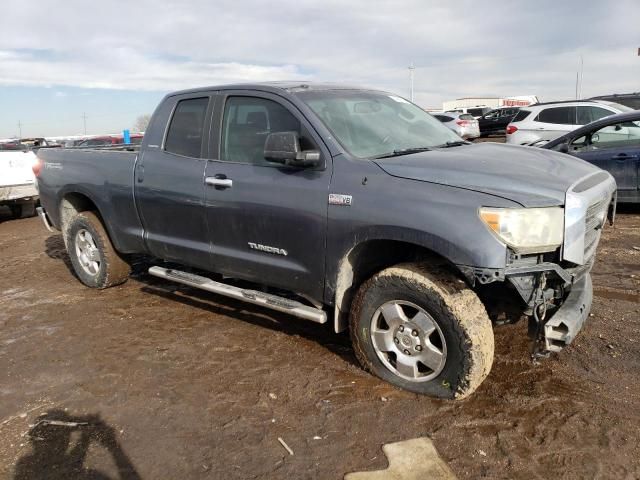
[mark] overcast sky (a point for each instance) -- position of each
(114, 60)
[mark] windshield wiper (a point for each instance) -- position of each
(457, 143)
(404, 151)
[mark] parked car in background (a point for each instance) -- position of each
(476, 112)
(13, 145)
(462, 123)
(108, 140)
(35, 143)
(97, 142)
(547, 121)
(631, 100)
(612, 144)
(496, 121)
(17, 182)
(73, 142)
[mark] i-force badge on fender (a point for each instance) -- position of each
(340, 199)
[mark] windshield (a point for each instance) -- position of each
(376, 124)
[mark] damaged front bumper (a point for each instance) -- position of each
(558, 302)
(556, 299)
(566, 322)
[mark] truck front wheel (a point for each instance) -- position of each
(423, 329)
(93, 257)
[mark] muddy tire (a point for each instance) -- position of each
(93, 257)
(421, 328)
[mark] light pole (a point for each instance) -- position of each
(411, 70)
(579, 79)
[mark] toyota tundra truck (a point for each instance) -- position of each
(343, 205)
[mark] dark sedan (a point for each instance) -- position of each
(611, 143)
(496, 121)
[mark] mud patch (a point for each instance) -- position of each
(197, 386)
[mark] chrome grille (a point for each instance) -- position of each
(586, 205)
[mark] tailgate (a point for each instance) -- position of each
(15, 168)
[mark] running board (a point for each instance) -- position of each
(267, 300)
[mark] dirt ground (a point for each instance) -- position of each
(174, 383)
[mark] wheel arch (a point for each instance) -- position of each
(75, 201)
(368, 258)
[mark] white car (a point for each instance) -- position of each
(463, 124)
(476, 112)
(18, 188)
(547, 121)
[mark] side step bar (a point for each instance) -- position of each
(267, 300)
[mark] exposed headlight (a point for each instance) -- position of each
(526, 230)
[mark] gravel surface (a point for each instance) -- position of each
(153, 380)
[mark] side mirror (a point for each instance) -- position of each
(284, 147)
(563, 147)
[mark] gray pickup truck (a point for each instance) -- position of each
(343, 205)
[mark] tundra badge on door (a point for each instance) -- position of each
(265, 248)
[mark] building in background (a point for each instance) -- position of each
(491, 102)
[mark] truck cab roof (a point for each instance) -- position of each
(275, 87)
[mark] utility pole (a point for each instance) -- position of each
(579, 79)
(581, 72)
(20, 128)
(411, 70)
(84, 118)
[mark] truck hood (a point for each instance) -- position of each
(529, 176)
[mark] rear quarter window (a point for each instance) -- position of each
(521, 115)
(443, 118)
(558, 115)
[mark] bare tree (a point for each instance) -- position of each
(141, 123)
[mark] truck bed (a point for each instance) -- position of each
(103, 176)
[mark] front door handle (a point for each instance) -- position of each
(219, 181)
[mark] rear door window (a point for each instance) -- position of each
(443, 118)
(558, 115)
(184, 136)
(522, 114)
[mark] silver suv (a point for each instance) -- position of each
(547, 121)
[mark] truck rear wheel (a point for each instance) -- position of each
(423, 329)
(93, 257)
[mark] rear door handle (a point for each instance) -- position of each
(220, 181)
(623, 156)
